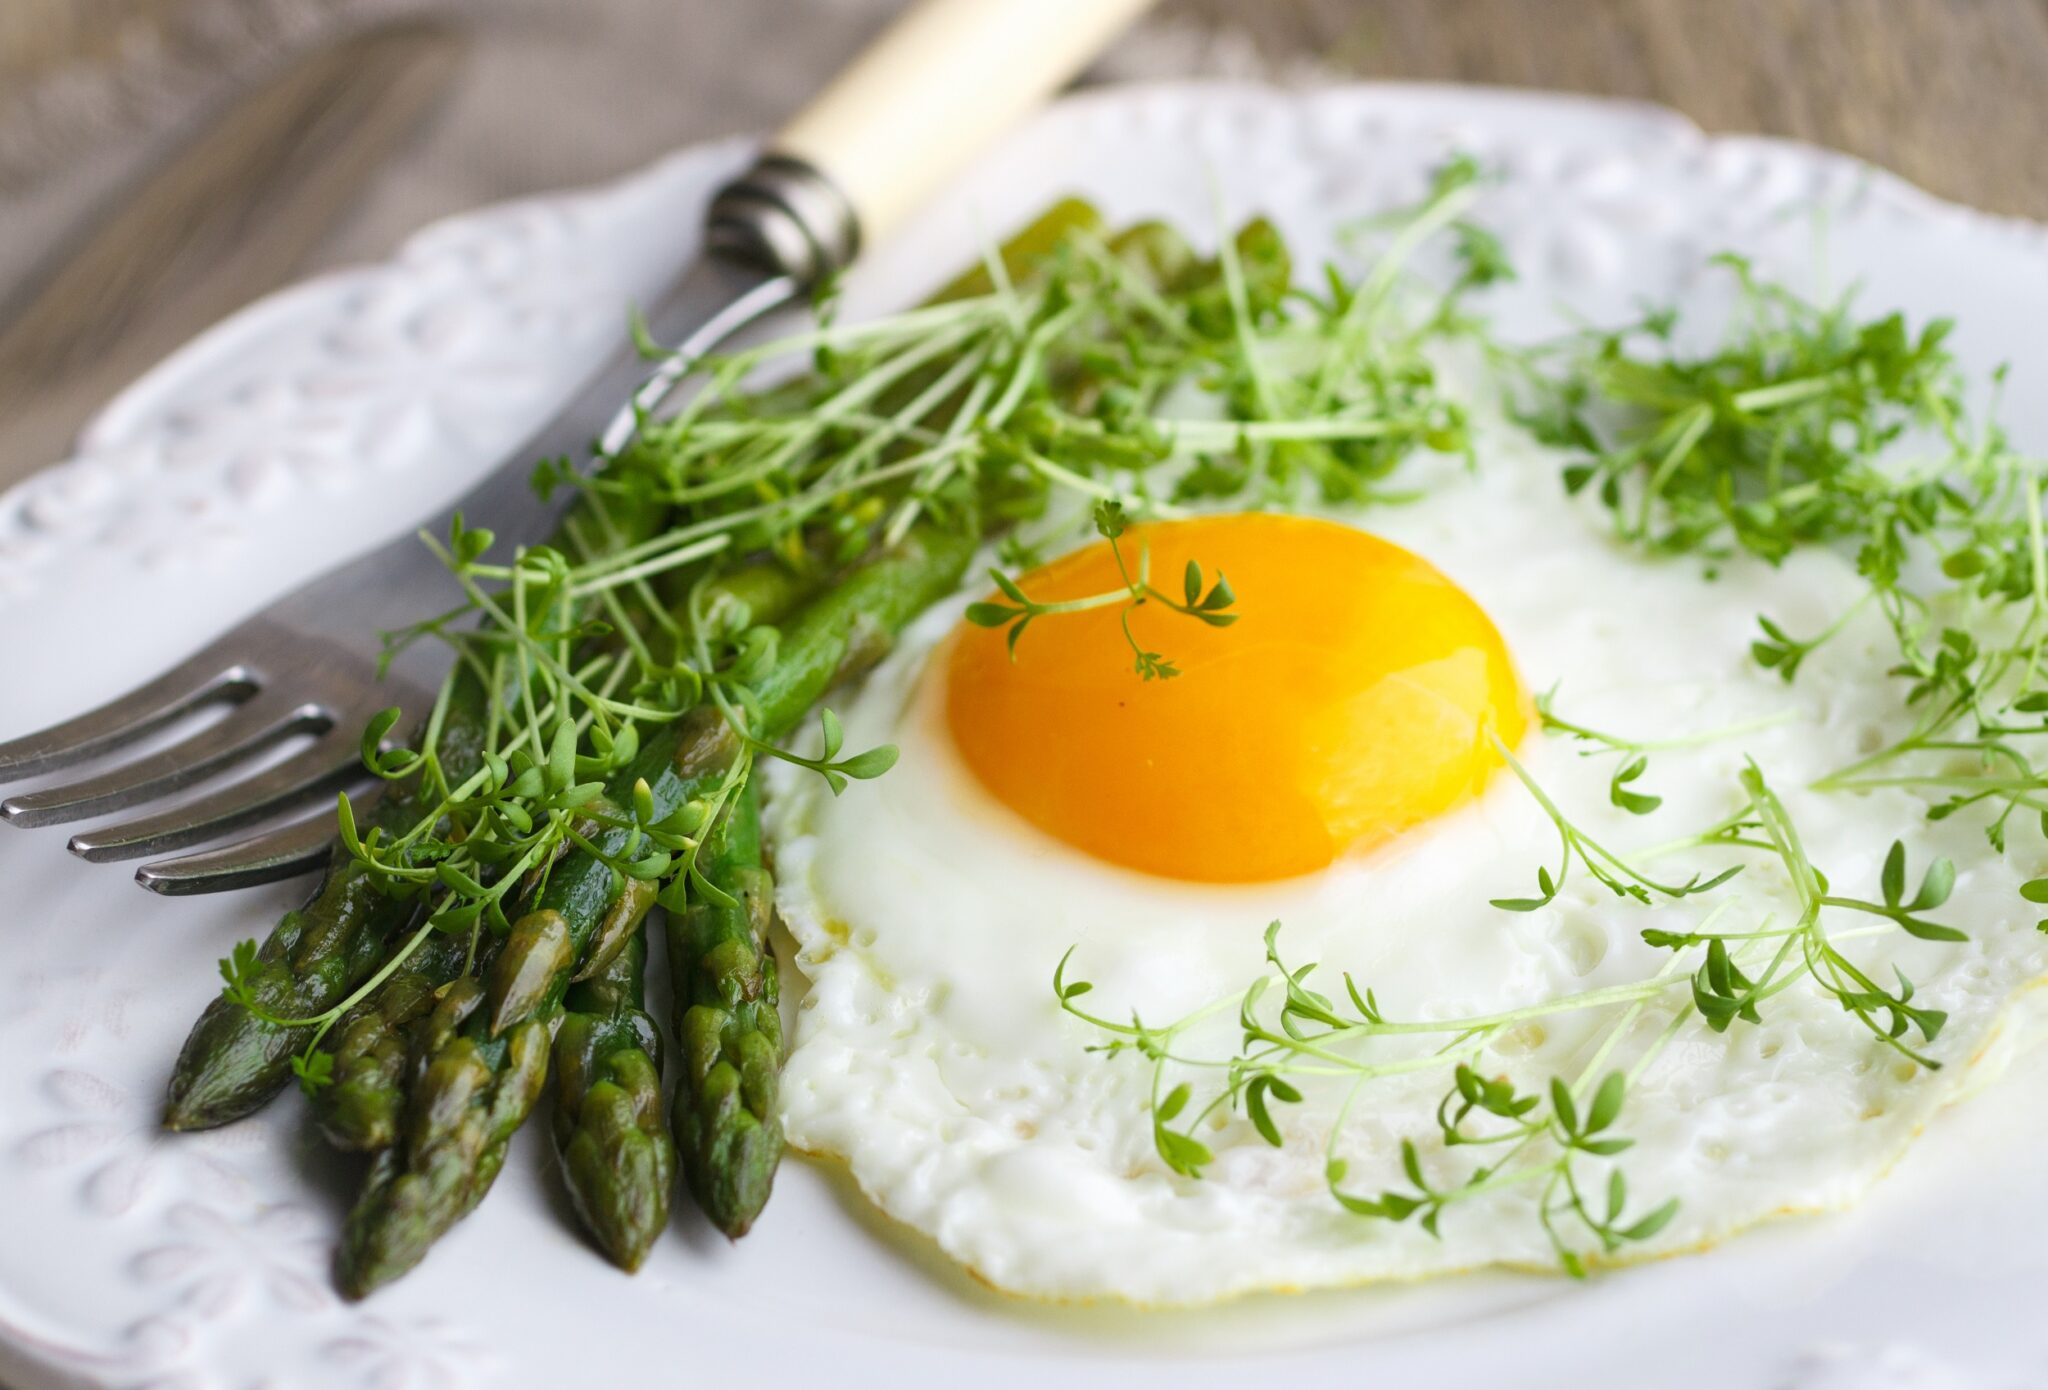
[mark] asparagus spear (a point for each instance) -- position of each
(234, 1060)
(1027, 247)
(471, 1095)
(725, 1116)
(360, 1110)
(476, 1083)
(617, 1155)
(626, 1205)
(727, 1028)
(617, 1159)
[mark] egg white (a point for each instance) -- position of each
(932, 1057)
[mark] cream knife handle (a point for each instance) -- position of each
(942, 82)
(939, 84)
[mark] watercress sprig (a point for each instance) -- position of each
(1207, 603)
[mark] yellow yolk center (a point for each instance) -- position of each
(1353, 699)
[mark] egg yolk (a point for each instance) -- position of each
(1350, 701)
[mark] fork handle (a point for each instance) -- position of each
(938, 85)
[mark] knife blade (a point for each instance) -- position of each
(244, 197)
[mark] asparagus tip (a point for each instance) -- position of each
(189, 1108)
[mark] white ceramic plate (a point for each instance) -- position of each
(303, 429)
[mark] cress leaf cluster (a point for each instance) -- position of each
(1560, 1140)
(1805, 425)
(1206, 603)
(1808, 425)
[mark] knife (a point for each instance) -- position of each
(233, 212)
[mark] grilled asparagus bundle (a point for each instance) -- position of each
(596, 746)
(478, 1080)
(237, 1056)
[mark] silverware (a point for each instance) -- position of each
(229, 214)
(936, 86)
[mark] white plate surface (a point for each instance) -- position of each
(301, 430)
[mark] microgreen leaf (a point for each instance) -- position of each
(1634, 802)
(870, 764)
(238, 969)
(1893, 879)
(346, 817)
(1606, 1103)
(1651, 1225)
(561, 764)
(314, 1070)
(388, 763)
(1564, 1107)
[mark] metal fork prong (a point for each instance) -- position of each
(254, 726)
(286, 852)
(327, 764)
(207, 677)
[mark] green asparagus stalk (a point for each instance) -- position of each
(471, 1096)
(727, 1126)
(382, 1067)
(1027, 247)
(474, 1087)
(725, 1116)
(235, 1060)
(618, 1161)
(360, 1110)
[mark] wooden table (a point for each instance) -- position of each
(1950, 93)
(530, 95)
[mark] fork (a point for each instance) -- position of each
(306, 669)
(299, 678)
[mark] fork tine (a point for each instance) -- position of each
(204, 678)
(327, 764)
(254, 726)
(286, 852)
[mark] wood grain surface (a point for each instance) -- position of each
(555, 93)
(1950, 93)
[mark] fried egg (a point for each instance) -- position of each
(1333, 761)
